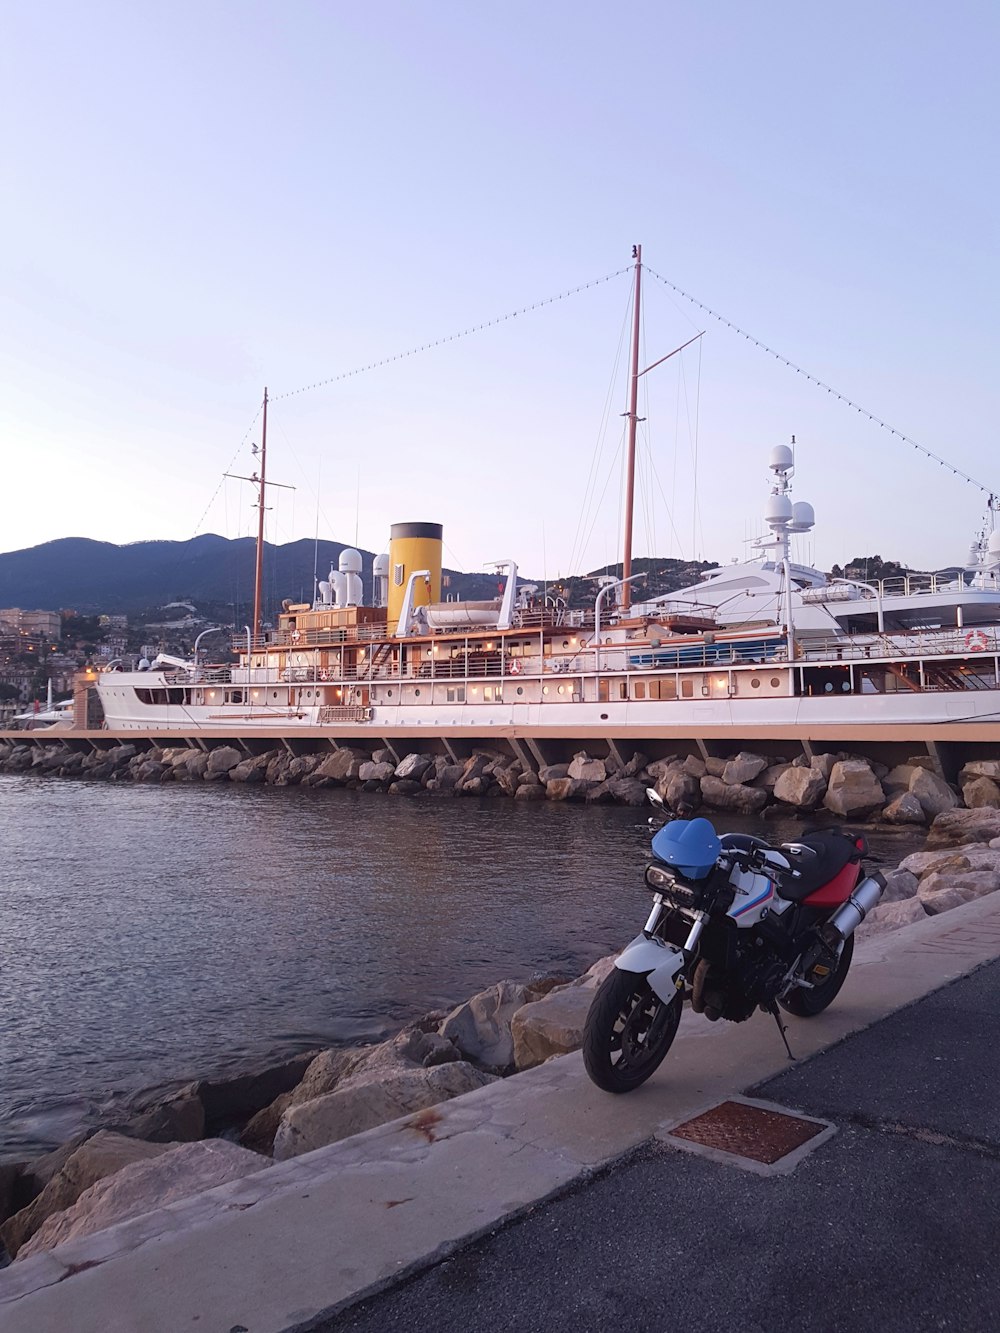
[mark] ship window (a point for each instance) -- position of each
(520, 689)
(416, 693)
(234, 696)
(388, 694)
(456, 694)
(623, 689)
(640, 689)
(755, 683)
(274, 694)
(488, 694)
(775, 682)
(687, 689)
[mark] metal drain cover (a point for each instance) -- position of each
(753, 1134)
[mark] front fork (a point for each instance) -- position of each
(662, 964)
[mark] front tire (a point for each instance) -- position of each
(808, 1003)
(629, 1030)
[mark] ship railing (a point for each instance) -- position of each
(199, 676)
(915, 585)
(901, 644)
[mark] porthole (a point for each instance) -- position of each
(520, 689)
(388, 694)
(755, 683)
(416, 694)
(775, 682)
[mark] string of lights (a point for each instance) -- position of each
(452, 337)
(813, 379)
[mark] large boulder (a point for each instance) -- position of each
(553, 772)
(971, 856)
(981, 794)
(343, 765)
(681, 790)
(768, 780)
(369, 1098)
(480, 1028)
(853, 789)
(627, 791)
(141, 1186)
(238, 1096)
(372, 772)
(178, 1117)
(744, 767)
(725, 796)
(585, 769)
(954, 828)
(561, 789)
(101, 1155)
(553, 1025)
(801, 787)
(251, 770)
(942, 890)
(898, 779)
(933, 793)
(905, 809)
(892, 915)
(981, 768)
(529, 791)
(222, 759)
(899, 885)
(414, 766)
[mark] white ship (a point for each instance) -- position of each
(768, 648)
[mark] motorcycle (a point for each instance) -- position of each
(737, 924)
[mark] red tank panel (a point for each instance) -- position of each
(838, 890)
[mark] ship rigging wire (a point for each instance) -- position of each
(821, 384)
(453, 337)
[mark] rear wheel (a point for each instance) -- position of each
(807, 1003)
(629, 1030)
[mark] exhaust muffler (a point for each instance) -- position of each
(850, 915)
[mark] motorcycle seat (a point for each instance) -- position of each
(826, 854)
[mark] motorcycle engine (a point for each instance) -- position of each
(734, 993)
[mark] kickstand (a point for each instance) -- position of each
(773, 1010)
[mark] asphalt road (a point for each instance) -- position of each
(892, 1225)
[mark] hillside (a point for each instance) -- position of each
(216, 573)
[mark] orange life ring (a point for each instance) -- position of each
(515, 667)
(324, 675)
(976, 641)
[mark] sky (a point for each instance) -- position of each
(204, 199)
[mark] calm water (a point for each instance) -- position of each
(149, 934)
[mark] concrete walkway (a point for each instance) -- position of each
(291, 1246)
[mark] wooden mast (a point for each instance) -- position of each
(258, 582)
(633, 400)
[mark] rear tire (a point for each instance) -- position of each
(808, 1003)
(629, 1030)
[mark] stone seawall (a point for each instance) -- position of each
(841, 784)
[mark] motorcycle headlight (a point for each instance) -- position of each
(664, 881)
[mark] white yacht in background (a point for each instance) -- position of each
(764, 649)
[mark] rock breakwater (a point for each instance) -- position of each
(841, 785)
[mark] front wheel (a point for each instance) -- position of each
(805, 1003)
(629, 1030)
